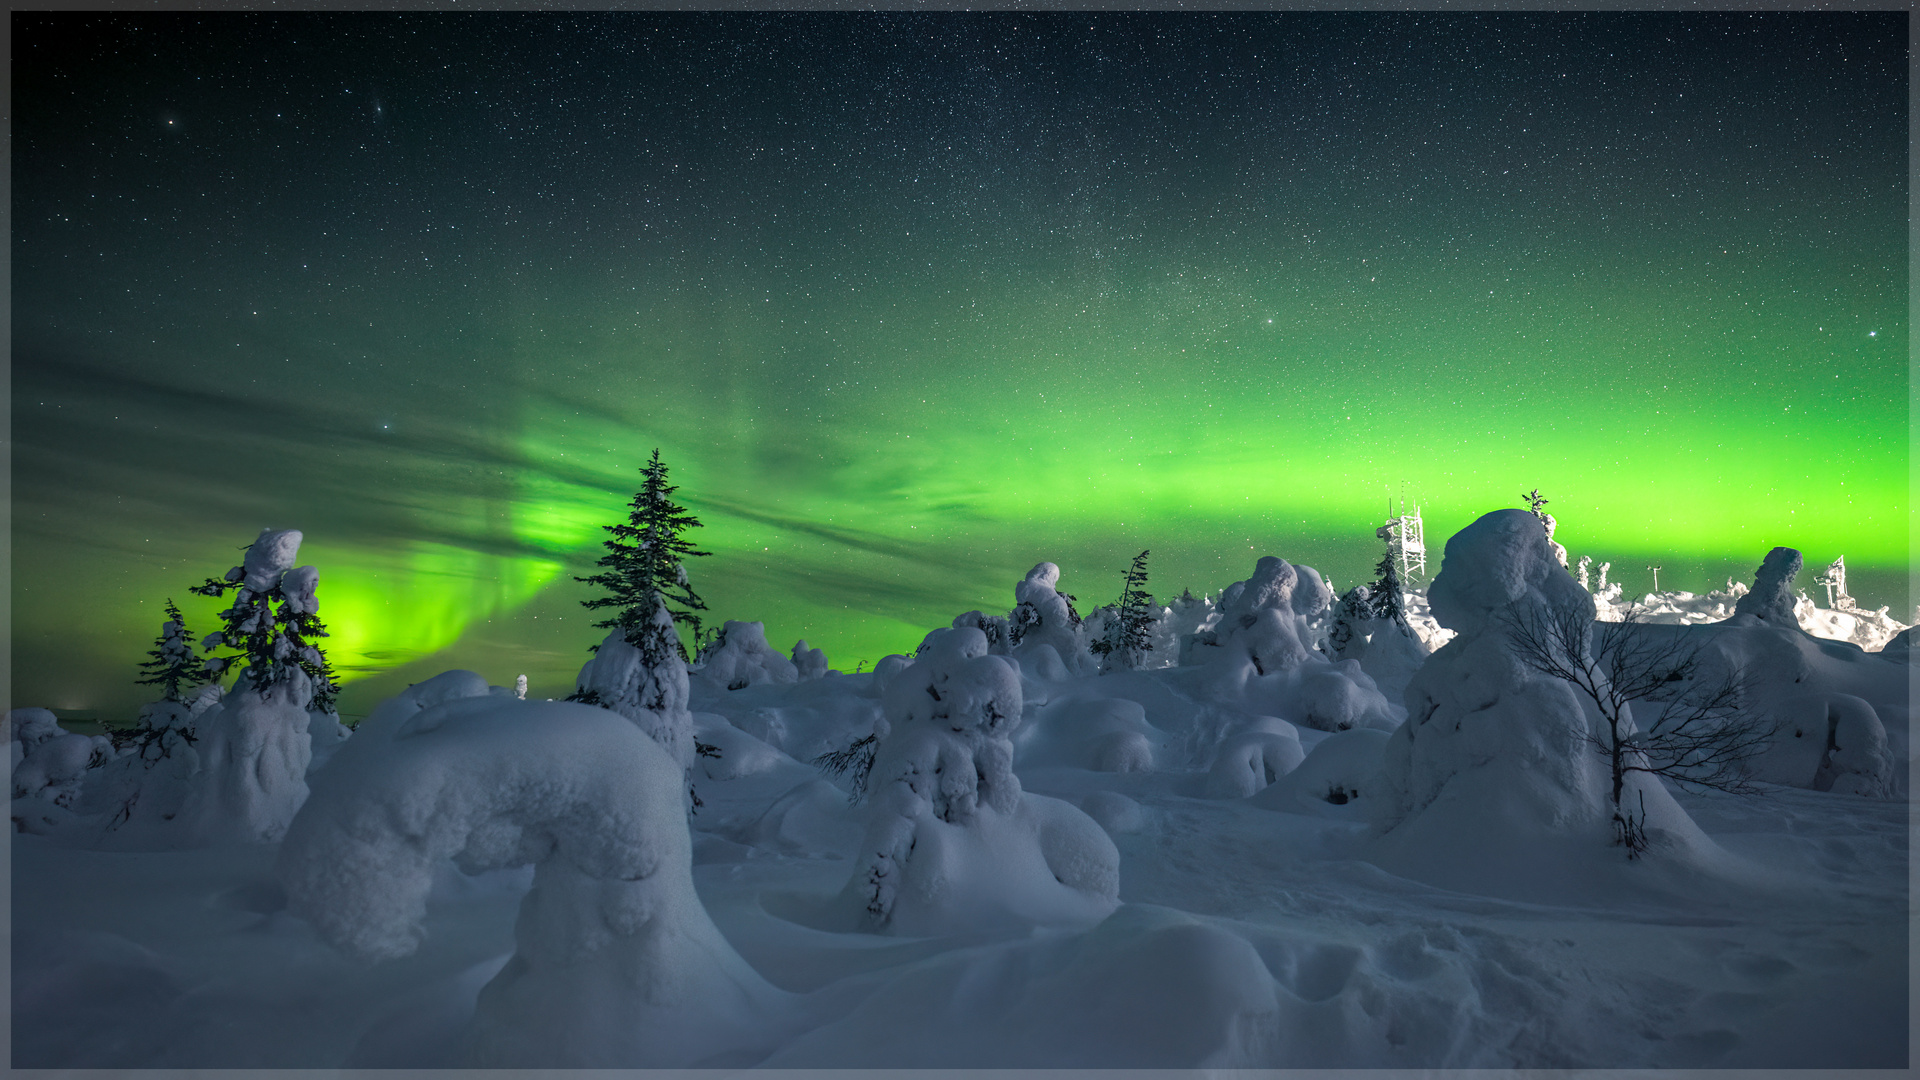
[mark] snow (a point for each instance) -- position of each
(1255, 858)
(653, 696)
(616, 963)
(744, 658)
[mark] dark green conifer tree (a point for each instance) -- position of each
(171, 664)
(644, 563)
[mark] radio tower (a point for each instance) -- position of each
(1406, 540)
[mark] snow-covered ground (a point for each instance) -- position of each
(1243, 859)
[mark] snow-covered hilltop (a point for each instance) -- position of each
(1497, 820)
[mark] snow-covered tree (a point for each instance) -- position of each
(1386, 597)
(643, 678)
(170, 663)
(1704, 737)
(1044, 618)
(1129, 624)
(1536, 504)
(1355, 607)
(273, 622)
(645, 559)
(953, 844)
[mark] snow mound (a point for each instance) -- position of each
(248, 776)
(50, 766)
(616, 963)
(1149, 987)
(1102, 734)
(743, 658)
(1252, 760)
(953, 844)
(1492, 782)
(1339, 777)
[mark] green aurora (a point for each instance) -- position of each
(890, 387)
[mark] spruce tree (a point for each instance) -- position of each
(1129, 635)
(1385, 598)
(274, 631)
(643, 564)
(170, 664)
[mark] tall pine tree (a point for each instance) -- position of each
(644, 563)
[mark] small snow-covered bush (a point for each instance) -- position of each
(616, 963)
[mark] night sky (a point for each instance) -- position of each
(911, 302)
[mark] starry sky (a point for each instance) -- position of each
(911, 302)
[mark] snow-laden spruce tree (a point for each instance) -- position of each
(1536, 505)
(616, 963)
(953, 844)
(170, 664)
(254, 745)
(1370, 625)
(273, 622)
(640, 669)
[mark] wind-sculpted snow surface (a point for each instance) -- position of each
(1493, 779)
(953, 844)
(616, 963)
(1447, 895)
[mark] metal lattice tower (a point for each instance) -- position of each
(1407, 541)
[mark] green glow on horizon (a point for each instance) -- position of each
(386, 608)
